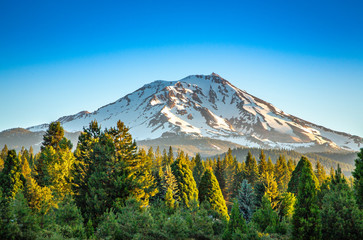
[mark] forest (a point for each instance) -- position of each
(108, 188)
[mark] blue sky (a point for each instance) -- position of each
(60, 57)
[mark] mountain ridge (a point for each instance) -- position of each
(210, 106)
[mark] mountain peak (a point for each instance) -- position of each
(209, 106)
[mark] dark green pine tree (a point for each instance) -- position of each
(295, 176)
(236, 222)
(246, 200)
(53, 136)
(320, 172)
(238, 177)
(210, 191)
(10, 177)
(262, 164)
(198, 169)
(358, 178)
(341, 217)
(188, 191)
(306, 219)
(282, 173)
(4, 152)
(251, 169)
(220, 175)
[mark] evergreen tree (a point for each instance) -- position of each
(246, 200)
(220, 175)
(295, 176)
(199, 169)
(320, 173)
(271, 189)
(290, 166)
(286, 206)
(229, 165)
(169, 199)
(186, 184)
(341, 217)
(236, 222)
(358, 178)
(4, 152)
(10, 181)
(270, 166)
(262, 165)
(237, 179)
(306, 219)
(169, 183)
(265, 216)
(53, 136)
(282, 174)
(210, 191)
(251, 169)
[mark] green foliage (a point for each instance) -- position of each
(246, 200)
(341, 217)
(295, 177)
(320, 173)
(198, 169)
(358, 178)
(282, 173)
(53, 136)
(219, 172)
(236, 223)
(187, 187)
(306, 219)
(265, 216)
(251, 169)
(10, 181)
(286, 206)
(210, 191)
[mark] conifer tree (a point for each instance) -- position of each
(290, 166)
(169, 199)
(210, 191)
(246, 200)
(262, 164)
(341, 217)
(265, 216)
(306, 219)
(169, 182)
(286, 206)
(1, 164)
(53, 136)
(270, 166)
(220, 175)
(229, 165)
(4, 152)
(358, 178)
(271, 189)
(251, 169)
(170, 158)
(237, 180)
(10, 181)
(186, 184)
(320, 173)
(295, 176)
(198, 169)
(235, 223)
(282, 174)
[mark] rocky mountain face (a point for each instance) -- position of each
(209, 106)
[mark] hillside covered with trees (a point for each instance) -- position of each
(108, 188)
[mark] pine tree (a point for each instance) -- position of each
(286, 206)
(229, 165)
(295, 176)
(53, 136)
(210, 191)
(358, 178)
(262, 165)
(169, 199)
(1, 164)
(246, 200)
(199, 169)
(265, 216)
(186, 184)
(10, 181)
(169, 182)
(220, 175)
(306, 219)
(282, 174)
(320, 173)
(4, 152)
(341, 217)
(251, 169)
(238, 176)
(271, 189)
(270, 166)
(235, 223)
(291, 166)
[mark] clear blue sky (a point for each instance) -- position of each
(60, 57)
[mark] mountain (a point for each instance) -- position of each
(208, 106)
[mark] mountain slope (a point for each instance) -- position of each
(210, 106)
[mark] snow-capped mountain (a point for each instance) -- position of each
(209, 106)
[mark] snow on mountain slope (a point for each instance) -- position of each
(209, 106)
